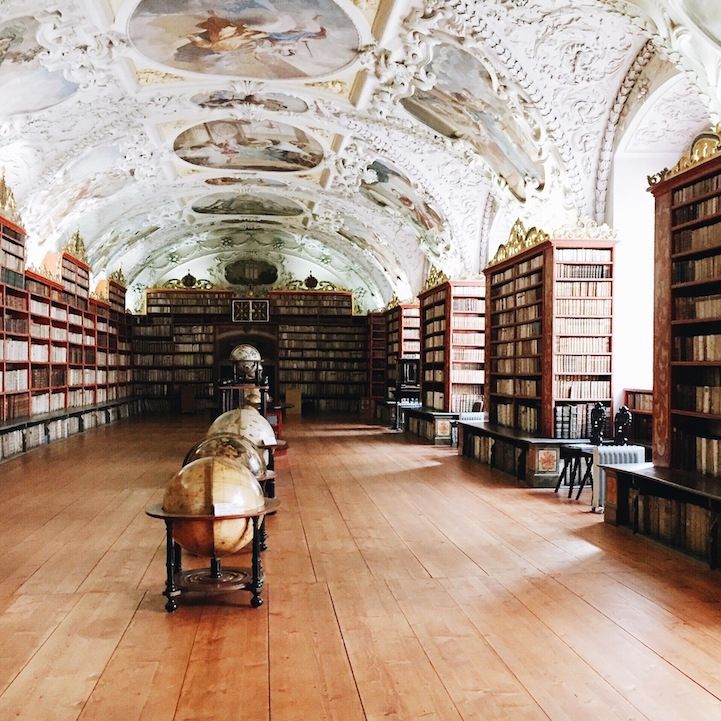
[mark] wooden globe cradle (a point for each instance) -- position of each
(215, 579)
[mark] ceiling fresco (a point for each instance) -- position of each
(260, 204)
(366, 140)
(248, 145)
(260, 39)
(26, 85)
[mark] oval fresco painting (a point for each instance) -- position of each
(260, 204)
(235, 180)
(392, 189)
(258, 39)
(463, 104)
(248, 145)
(26, 86)
(267, 101)
(250, 271)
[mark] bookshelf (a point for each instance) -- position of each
(687, 318)
(403, 323)
(377, 345)
(320, 351)
(12, 255)
(550, 311)
(677, 500)
(640, 403)
(64, 361)
(452, 330)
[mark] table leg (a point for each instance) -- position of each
(575, 470)
(263, 535)
(562, 475)
(587, 477)
(256, 584)
(171, 592)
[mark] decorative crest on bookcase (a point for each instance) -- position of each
(435, 277)
(44, 272)
(519, 240)
(197, 284)
(394, 302)
(704, 147)
(8, 209)
(119, 277)
(585, 229)
(76, 247)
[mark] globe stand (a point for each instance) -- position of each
(214, 579)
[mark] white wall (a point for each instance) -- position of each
(631, 214)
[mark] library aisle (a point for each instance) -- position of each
(402, 582)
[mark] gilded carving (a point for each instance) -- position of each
(76, 247)
(119, 277)
(519, 240)
(8, 209)
(435, 277)
(705, 146)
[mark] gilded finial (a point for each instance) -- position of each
(76, 247)
(519, 240)
(8, 208)
(119, 277)
(704, 147)
(435, 277)
(394, 302)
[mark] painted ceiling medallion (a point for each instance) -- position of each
(248, 145)
(25, 85)
(247, 204)
(259, 39)
(235, 180)
(464, 104)
(393, 190)
(267, 101)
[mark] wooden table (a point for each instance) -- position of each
(215, 579)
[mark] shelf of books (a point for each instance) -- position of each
(404, 340)
(377, 344)
(452, 338)
(311, 303)
(12, 255)
(64, 365)
(640, 403)
(188, 301)
(681, 508)
(326, 362)
(452, 317)
(548, 358)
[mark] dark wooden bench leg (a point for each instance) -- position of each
(563, 474)
(575, 471)
(587, 477)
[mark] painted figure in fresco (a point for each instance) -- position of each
(223, 35)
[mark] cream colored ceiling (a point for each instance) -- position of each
(363, 140)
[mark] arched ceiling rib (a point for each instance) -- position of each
(369, 138)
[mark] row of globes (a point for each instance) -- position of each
(222, 475)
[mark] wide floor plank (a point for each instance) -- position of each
(402, 582)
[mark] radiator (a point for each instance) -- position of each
(611, 454)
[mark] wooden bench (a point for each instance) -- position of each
(680, 508)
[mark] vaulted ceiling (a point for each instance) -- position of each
(362, 141)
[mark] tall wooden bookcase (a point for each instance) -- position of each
(550, 312)
(377, 345)
(64, 357)
(452, 345)
(322, 348)
(403, 324)
(687, 320)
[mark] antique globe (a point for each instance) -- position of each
(247, 360)
(214, 487)
(229, 445)
(246, 422)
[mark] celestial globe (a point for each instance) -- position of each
(246, 422)
(229, 445)
(214, 487)
(247, 360)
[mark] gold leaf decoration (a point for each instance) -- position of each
(8, 209)
(435, 277)
(519, 240)
(704, 147)
(394, 302)
(119, 277)
(76, 247)
(339, 87)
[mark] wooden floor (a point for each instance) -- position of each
(402, 583)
